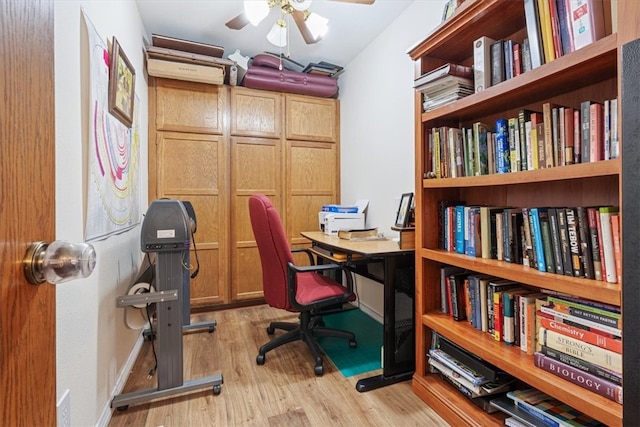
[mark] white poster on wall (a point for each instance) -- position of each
(113, 172)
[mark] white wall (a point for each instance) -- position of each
(93, 344)
(377, 125)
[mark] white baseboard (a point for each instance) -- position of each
(105, 416)
(369, 311)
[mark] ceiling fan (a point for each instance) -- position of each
(311, 25)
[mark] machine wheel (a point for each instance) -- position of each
(353, 343)
(319, 370)
(260, 359)
(217, 389)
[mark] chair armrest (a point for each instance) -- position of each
(293, 270)
(307, 251)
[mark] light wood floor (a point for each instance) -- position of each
(282, 392)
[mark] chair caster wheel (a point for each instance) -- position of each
(271, 330)
(122, 408)
(353, 343)
(260, 359)
(211, 329)
(319, 370)
(217, 389)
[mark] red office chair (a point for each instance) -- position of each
(302, 289)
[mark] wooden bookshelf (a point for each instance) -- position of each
(592, 72)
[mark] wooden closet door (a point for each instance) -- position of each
(255, 168)
(312, 161)
(193, 167)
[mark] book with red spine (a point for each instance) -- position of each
(581, 334)
(583, 379)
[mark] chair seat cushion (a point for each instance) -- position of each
(315, 287)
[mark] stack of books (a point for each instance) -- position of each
(473, 377)
(179, 59)
(581, 341)
(444, 85)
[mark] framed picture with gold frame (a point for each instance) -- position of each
(122, 79)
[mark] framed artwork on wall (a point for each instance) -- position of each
(122, 78)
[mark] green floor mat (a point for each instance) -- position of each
(353, 361)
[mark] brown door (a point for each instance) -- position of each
(27, 195)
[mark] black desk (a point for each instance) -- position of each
(384, 262)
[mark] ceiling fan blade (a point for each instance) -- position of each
(238, 22)
(298, 18)
(357, 1)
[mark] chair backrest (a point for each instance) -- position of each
(274, 249)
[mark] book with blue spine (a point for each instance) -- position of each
(503, 151)
(460, 229)
(473, 243)
(537, 237)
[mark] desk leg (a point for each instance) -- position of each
(399, 358)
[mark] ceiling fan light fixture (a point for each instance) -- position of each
(256, 10)
(278, 34)
(317, 25)
(300, 5)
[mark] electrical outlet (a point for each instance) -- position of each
(63, 409)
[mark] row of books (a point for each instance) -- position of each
(572, 241)
(554, 28)
(556, 136)
(444, 85)
(558, 27)
(498, 60)
(573, 338)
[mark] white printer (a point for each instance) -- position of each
(342, 217)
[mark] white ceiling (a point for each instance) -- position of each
(351, 26)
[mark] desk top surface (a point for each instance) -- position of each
(365, 248)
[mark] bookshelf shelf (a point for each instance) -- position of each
(562, 173)
(586, 288)
(593, 63)
(590, 73)
(520, 365)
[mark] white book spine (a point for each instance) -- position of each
(615, 141)
(607, 129)
(607, 246)
(527, 131)
(482, 63)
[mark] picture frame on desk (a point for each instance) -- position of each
(122, 79)
(402, 217)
